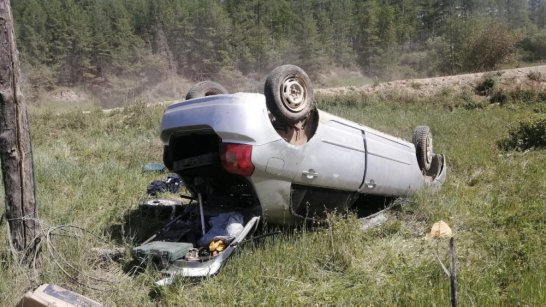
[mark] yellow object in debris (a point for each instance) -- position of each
(217, 245)
(440, 230)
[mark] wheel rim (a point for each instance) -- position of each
(429, 150)
(293, 94)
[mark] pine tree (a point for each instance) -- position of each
(368, 40)
(31, 22)
(342, 19)
(209, 46)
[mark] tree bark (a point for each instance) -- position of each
(15, 145)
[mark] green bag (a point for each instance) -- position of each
(160, 252)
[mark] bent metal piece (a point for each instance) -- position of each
(205, 268)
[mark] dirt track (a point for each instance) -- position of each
(509, 78)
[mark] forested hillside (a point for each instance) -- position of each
(72, 42)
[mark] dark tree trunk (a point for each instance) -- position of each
(15, 145)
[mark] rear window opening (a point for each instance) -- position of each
(189, 151)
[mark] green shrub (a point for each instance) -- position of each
(485, 86)
(469, 101)
(534, 46)
(499, 97)
(488, 47)
(517, 95)
(529, 135)
(524, 95)
(536, 76)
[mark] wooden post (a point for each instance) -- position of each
(453, 273)
(15, 146)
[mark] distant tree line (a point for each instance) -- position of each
(70, 42)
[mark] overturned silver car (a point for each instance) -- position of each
(276, 156)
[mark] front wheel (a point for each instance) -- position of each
(422, 139)
(289, 94)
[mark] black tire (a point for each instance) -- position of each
(289, 94)
(205, 88)
(422, 139)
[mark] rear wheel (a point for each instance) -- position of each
(422, 139)
(289, 93)
(205, 88)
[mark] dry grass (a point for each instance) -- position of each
(88, 172)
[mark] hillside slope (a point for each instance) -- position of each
(533, 77)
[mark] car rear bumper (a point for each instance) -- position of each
(236, 118)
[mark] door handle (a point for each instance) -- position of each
(310, 174)
(370, 184)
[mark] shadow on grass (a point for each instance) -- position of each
(367, 205)
(139, 224)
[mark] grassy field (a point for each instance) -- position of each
(89, 174)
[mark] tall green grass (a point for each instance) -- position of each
(88, 172)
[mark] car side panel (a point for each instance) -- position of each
(392, 165)
(275, 165)
(334, 157)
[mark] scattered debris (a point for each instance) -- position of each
(52, 295)
(172, 184)
(223, 226)
(181, 248)
(206, 265)
(440, 230)
(157, 205)
(373, 220)
(154, 167)
(162, 202)
(161, 253)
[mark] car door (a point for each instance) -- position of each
(334, 158)
(391, 165)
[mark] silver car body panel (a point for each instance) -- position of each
(236, 118)
(334, 157)
(341, 155)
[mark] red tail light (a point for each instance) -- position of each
(237, 159)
